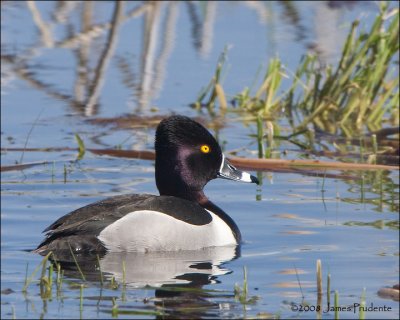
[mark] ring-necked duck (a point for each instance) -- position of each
(181, 218)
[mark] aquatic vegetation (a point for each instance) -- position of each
(81, 146)
(362, 91)
(184, 299)
(336, 304)
(241, 293)
(115, 306)
(356, 97)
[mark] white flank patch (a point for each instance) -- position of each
(148, 230)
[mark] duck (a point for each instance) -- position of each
(181, 217)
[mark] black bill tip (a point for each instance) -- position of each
(254, 180)
(228, 171)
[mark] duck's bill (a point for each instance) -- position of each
(228, 171)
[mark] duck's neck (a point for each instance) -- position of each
(207, 204)
(180, 190)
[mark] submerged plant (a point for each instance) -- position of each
(29, 280)
(241, 293)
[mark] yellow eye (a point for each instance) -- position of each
(205, 148)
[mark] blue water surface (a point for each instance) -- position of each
(163, 57)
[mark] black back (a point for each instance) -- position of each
(80, 228)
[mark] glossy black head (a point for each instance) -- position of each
(187, 157)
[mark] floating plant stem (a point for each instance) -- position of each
(59, 279)
(241, 294)
(26, 278)
(123, 293)
(76, 263)
(81, 146)
(374, 147)
(53, 172)
(29, 280)
(30, 132)
(298, 281)
(319, 278)
(216, 80)
(81, 299)
(221, 96)
(270, 139)
(113, 283)
(323, 184)
(45, 282)
(362, 187)
(114, 309)
(65, 173)
(50, 274)
(328, 290)
(272, 81)
(336, 304)
(101, 273)
(361, 314)
(260, 136)
(245, 286)
(319, 288)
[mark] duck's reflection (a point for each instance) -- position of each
(176, 277)
(155, 269)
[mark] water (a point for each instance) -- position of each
(288, 223)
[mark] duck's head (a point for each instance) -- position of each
(187, 157)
